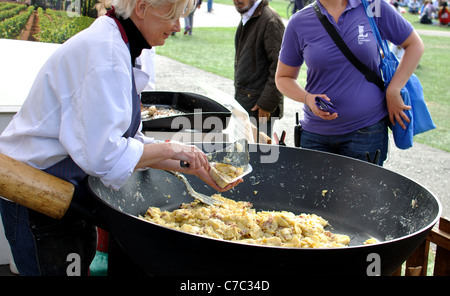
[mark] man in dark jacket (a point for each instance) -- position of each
(257, 43)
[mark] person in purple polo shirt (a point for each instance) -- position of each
(360, 125)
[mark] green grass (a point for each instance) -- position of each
(279, 5)
(433, 74)
(209, 49)
(414, 20)
(212, 49)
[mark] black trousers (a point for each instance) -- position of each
(45, 246)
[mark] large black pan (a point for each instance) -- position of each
(361, 200)
(213, 115)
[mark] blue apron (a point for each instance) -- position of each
(67, 169)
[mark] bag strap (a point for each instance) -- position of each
(370, 75)
(382, 44)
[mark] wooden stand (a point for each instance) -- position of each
(416, 264)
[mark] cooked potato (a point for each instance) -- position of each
(238, 221)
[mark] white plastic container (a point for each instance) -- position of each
(5, 251)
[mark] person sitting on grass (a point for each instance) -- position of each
(414, 6)
(444, 15)
(427, 14)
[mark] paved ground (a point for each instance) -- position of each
(434, 33)
(427, 166)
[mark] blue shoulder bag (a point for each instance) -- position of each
(412, 93)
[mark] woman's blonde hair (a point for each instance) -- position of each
(180, 8)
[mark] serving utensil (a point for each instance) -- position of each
(236, 154)
(199, 196)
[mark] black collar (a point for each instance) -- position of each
(136, 40)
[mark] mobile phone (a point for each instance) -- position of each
(325, 106)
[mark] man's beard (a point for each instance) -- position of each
(245, 8)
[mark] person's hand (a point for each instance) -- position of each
(261, 113)
(198, 164)
(311, 103)
(396, 107)
(204, 175)
(189, 154)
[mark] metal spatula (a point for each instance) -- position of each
(199, 196)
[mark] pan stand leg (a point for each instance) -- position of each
(119, 264)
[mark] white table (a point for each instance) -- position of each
(20, 61)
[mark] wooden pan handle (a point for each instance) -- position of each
(33, 188)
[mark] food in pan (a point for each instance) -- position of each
(154, 112)
(224, 174)
(238, 221)
(371, 241)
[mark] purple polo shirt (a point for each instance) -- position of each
(359, 103)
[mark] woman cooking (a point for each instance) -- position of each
(82, 117)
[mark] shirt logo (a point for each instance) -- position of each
(361, 36)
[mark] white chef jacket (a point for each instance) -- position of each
(81, 105)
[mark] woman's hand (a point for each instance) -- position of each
(190, 154)
(286, 81)
(167, 156)
(414, 49)
(198, 164)
(396, 107)
(311, 103)
(204, 175)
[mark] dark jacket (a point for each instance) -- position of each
(257, 47)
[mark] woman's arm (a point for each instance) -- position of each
(167, 156)
(414, 49)
(286, 81)
(157, 152)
